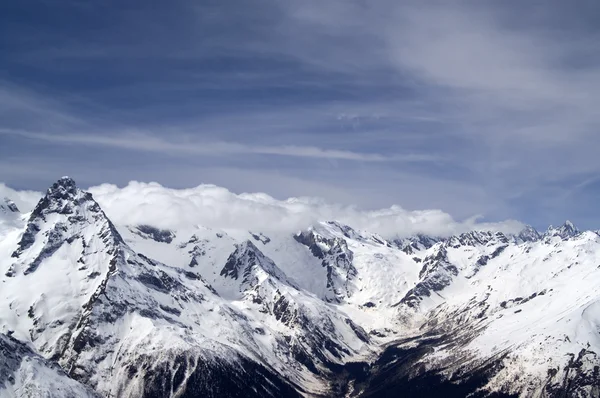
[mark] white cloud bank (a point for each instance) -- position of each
(216, 207)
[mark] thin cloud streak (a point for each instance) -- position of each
(144, 142)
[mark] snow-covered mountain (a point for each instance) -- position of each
(96, 306)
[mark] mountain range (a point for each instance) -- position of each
(94, 307)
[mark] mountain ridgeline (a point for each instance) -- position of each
(92, 307)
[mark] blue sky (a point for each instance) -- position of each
(471, 107)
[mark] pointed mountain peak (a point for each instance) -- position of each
(245, 254)
(64, 188)
(65, 181)
(59, 217)
(569, 224)
(246, 261)
(565, 231)
(568, 229)
(247, 247)
(63, 197)
(529, 234)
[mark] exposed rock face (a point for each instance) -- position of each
(64, 211)
(246, 262)
(156, 234)
(190, 374)
(336, 259)
(528, 234)
(260, 237)
(415, 243)
(436, 274)
(265, 286)
(565, 231)
(476, 238)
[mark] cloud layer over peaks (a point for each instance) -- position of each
(216, 207)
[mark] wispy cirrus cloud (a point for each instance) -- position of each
(138, 141)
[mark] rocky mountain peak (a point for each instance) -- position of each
(62, 188)
(476, 238)
(569, 229)
(64, 197)
(529, 234)
(247, 261)
(416, 243)
(61, 216)
(244, 254)
(565, 231)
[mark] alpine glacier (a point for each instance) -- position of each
(94, 306)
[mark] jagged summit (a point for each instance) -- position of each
(565, 231)
(474, 238)
(64, 182)
(64, 215)
(529, 234)
(245, 254)
(63, 197)
(248, 262)
(64, 188)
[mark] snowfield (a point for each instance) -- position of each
(99, 306)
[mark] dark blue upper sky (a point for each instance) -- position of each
(471, 107)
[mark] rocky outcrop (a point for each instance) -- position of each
(336, 259)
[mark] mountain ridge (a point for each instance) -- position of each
(327, 311)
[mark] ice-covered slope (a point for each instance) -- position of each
(136, 310)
